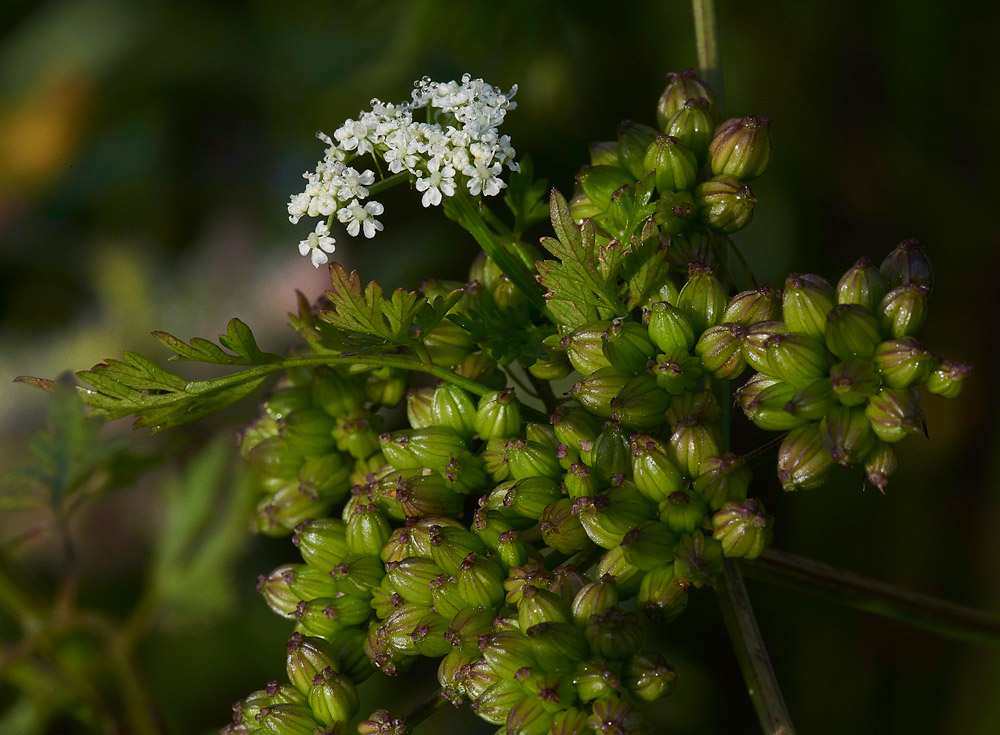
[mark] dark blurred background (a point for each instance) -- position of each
(147, 150)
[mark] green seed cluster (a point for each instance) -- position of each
(529, 555)
(840, 369)
(317, 438)
(699, 165)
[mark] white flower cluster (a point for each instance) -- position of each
(460, 144)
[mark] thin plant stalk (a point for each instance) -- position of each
(862, 593)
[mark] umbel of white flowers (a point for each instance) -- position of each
(460, 144)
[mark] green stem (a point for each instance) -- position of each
(853, 590)
(706, 34)
(466, 211)
(388, 182)
(14, 596)
(431, 704)
(750, 652)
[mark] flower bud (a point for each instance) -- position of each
(697, 559)
(597, 390)
(854, 381)
(358, 574)
(529, 717)
(681, 86)
(380, 722)
(719, 349)
(675, 212)
(541, 606)
(556, 647)
(494, 704)
(561, 529)
(851, 332)
(683, 511)
(307, 582)
(451, 546)
(480, 582)
(412, 578)
(653, 470)
(743, 528)
(894, 413)
(626, 346)
(367, 530)
(754, 344)
(640, 403)
(880, 465)
(903, 311)
(768, 409)
(722, 479)
(452, 408)
(906, 265)
(572, 425)
(650, 544)
(862, 285)
(741, 147)
(614, 633)
(649, 677)
(276, 592)
(693, 125)
(750, 307)
(702, 299)
(725, 204)
(813, 401)
(286, 719)
(308, 432)
(948, 379)
(418, 407)
(796, 358)
(805, 302)
(595, 678)
(692, 443)
(633, 140)
(904, 362)
(333, 698)
(448, 344)
(532, 459)
(668, 327)
(627, 576)
(803, 461)
(322, 542)
(554, 366)
(675, 167)
(585, 347)
(465, 633)
(306, 658)
(662, 595)
(498, 415)
(246, 711)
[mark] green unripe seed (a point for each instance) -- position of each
(805, 302)
(741, 147)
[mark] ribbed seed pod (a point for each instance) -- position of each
(640, 403)
(626, 346)
(668, 327)
(681, 87)
(743, 528)
(722, 479)
(561, 529)
(805, 302)
(894, 413)
(333, 698)
(903, 311)
(948, 379)
(677, 371)
(813, 401)
(453, 408)
(585, 347)
(693, 125)
(907, 264)
(725, 204)
(862, 285)
(662, 595)
(741, 147)
(904, 362)
(853, 382)
(880, 465)
(683, 511)
(649, 677)
(851, 331)
(703, 299)
(697, 558)
(650, 544)
(597, 390)
(803, 461)
(719, 349)
(498, 415)
(633, 140)
(750, 307)
(675, 167)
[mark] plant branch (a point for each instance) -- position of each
(706, 34)
(853, 590)
(750, 652)
(434, 701)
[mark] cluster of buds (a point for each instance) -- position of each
(839, 370)
(529, 556)
(700, 166)
(316, 438)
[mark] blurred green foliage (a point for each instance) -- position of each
(146, 153)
